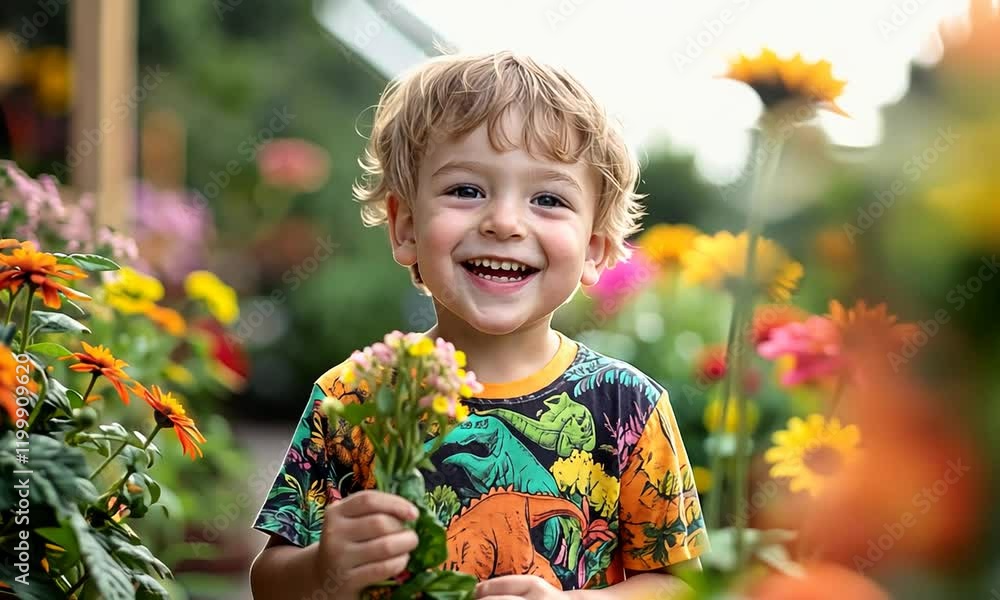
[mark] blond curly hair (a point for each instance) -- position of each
(452, 95)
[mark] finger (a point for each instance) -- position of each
(504, 597)
(371, 527)
(367, 574)
(371, 501)
(513, 585)
(383, 548)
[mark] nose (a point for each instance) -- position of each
(503, 218)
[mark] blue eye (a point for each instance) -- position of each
(552, 198)
(465, 191)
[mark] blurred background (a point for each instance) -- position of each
(224, 136)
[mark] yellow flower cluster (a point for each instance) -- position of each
(219, 298)
(579, 474)
(132, 292)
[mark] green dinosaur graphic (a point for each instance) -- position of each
(509, 462)
(566, 425)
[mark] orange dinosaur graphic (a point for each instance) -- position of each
(492, 536)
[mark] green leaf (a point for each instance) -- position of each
(88, 262)
(431, 550)
(55, 395)
(109, 578)
(53, 322)
(412, 486)
(149, 588)
(76, 306)
(355, 414)
(49, 349)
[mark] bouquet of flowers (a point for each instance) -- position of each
(414, 388)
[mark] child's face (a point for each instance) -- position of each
(474, 202)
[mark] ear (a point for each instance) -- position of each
(401, 231)
(598, 251)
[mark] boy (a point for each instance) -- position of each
(504, 187)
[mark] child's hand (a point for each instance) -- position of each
(524, 587)
(364, 541)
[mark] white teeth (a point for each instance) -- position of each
(500, 265)
(501, 278)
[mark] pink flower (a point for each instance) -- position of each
(294, 164)
(362, 359)
(815, 344)
(384, 354)
(624, 280)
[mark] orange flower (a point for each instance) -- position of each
(171, 414)
(100, 361)
(36, 269)
(8, 382)
(168, 319)
(779, 80)
(861, 323)
(9, 243)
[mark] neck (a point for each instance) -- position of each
(499, 358)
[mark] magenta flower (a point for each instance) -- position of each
(624, 280)
(815, 344)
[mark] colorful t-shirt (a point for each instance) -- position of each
(573, 474)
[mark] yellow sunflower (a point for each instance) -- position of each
(719, 261)
(219, 298)
(665, 243)
(782, 82)
(811, 451)
(132, 292)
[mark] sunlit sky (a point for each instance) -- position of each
(653, 63)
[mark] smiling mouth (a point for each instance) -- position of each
(501, 275)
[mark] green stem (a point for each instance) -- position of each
(27, 318)
(114, 454)
(79, 582)
(718, 475)
(770, 156)
(10, 307)
(108, 460)
(90, 387)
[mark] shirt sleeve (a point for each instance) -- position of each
(294, 506)
(661, 522)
